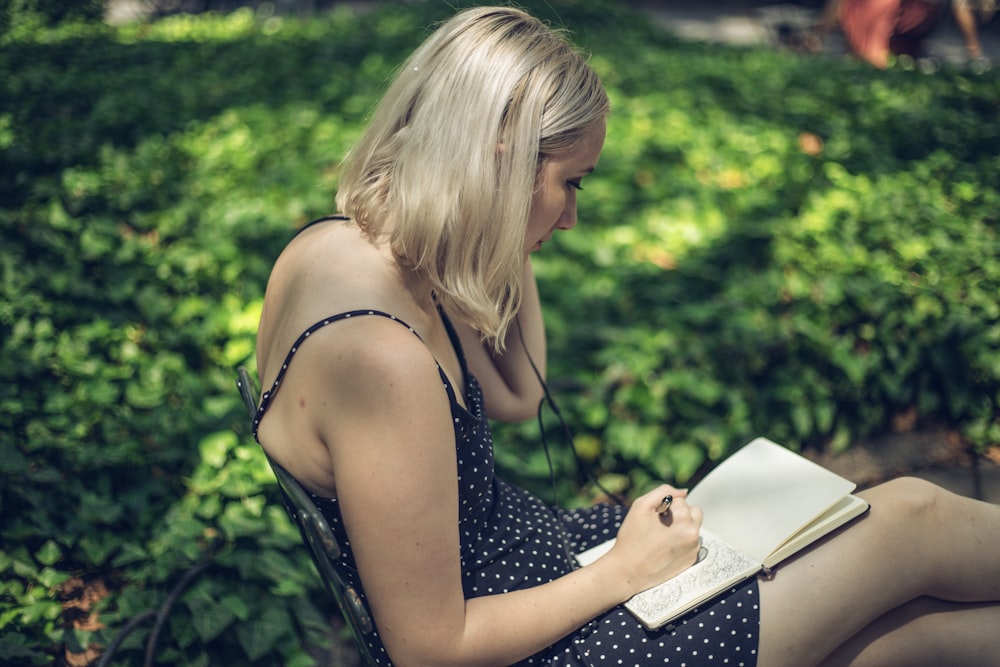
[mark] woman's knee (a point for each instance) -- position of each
(907, 498)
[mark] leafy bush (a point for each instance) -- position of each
(774, 245)
(25, 16)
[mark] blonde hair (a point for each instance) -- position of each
(446, 170)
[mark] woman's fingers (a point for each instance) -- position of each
(660, 536)
(663, 494)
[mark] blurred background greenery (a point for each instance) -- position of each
(794, 247)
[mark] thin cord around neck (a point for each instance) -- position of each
(567, 433)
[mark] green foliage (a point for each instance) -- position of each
(771, 245)
(22, 17)
(775, 246)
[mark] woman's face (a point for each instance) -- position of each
(554, 203)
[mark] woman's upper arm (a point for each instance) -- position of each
(386, 419)
(381, 407)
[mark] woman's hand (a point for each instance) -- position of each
(653, 547)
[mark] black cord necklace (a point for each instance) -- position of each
(567, 433)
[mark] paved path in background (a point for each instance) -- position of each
(753, 23)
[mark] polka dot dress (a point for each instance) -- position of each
(512, 540)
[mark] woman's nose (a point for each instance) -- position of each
(568, 219)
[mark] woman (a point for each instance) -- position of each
(388, 336)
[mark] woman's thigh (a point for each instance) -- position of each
(829, 593)
(926, 631)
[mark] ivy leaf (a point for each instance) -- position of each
(209, 618)
(49, 553)
(260, 635)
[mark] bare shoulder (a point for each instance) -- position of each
(374, 348)
(364, 352)
(361, 367)
(354, 380)
(375, 387)
(326, 263)
(359, 387)
(327, 269)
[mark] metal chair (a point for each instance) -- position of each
(316, 533)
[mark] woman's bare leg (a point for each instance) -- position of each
(918, 540)
(966, 21)
(929, 632)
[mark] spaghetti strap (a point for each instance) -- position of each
(268, 395)
(319, 220)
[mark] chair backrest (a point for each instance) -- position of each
(316, 533)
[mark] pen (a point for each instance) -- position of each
(665, 505)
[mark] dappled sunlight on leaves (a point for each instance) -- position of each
(772, 245)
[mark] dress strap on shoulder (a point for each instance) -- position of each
(268, 395)
(456, 342)
(313, 223)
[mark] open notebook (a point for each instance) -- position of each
(761, 505)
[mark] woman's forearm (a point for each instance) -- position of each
(505, 628)
(511, 388)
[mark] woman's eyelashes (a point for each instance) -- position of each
(576, 185)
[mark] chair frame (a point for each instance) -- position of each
(317, 535)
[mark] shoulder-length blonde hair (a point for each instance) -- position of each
(446, 169)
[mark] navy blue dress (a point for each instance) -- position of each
(511, 540)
